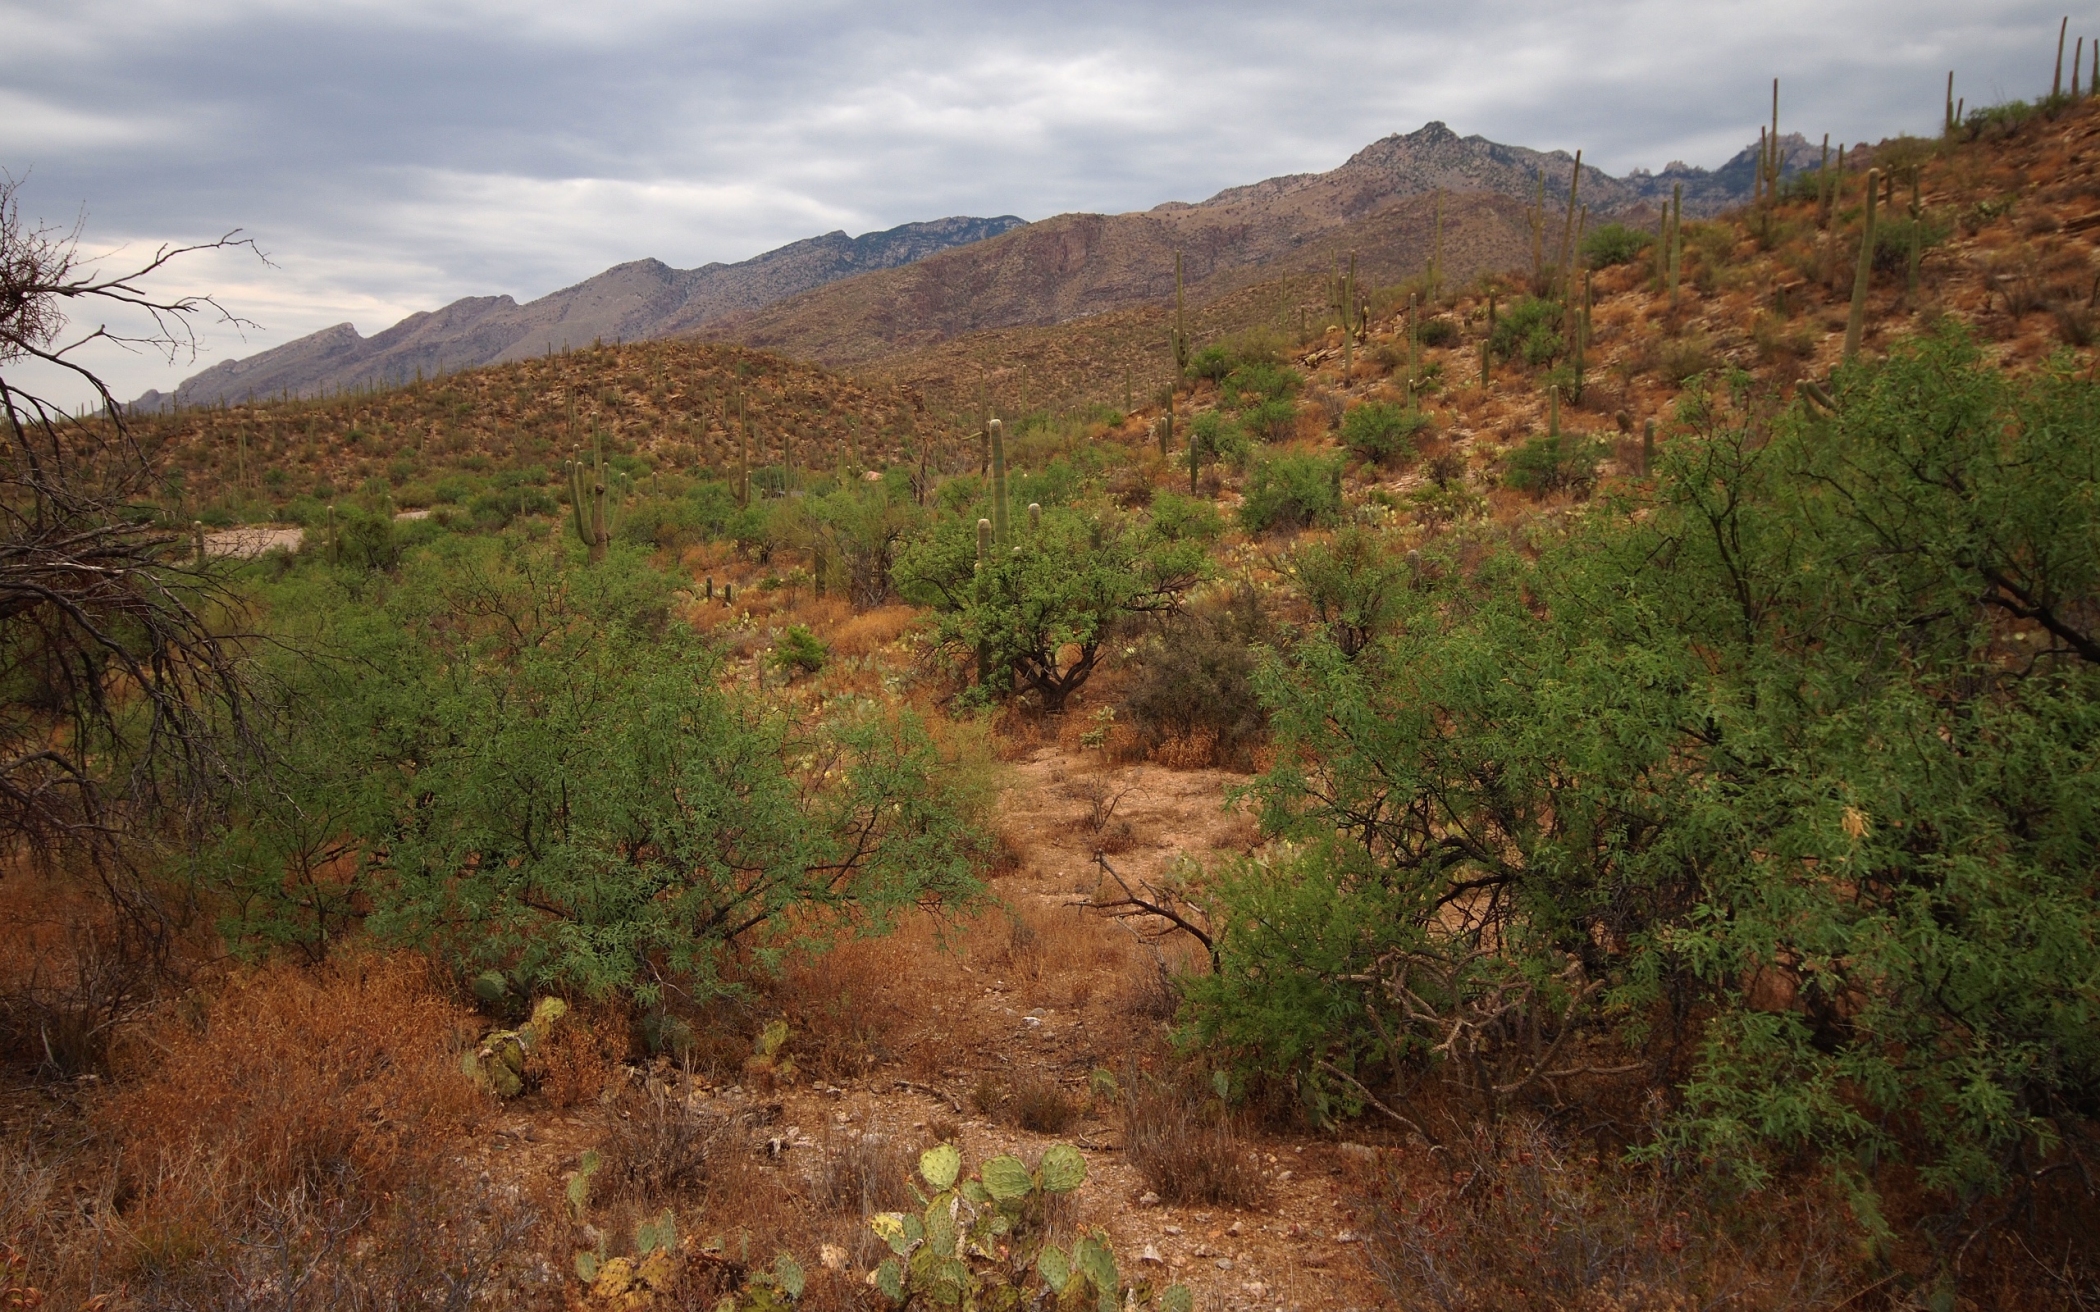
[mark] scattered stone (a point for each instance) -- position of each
(1224, 1264)
(1255, 1287)
(1151, 1254)
(1148, 1199)
(833, 1257)
(1234, 1228)
(1345, 1236)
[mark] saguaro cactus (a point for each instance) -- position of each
(1676, 239)
(1857, 322)
(1178, 334)
(590, 506)
(998, 435)
(1567, 232)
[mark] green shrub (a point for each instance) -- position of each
(1379, 430)
(1614, 243)
(1176, 518)
(1440, 331)
(799, 651)
(1257, 381)
(1197, 679)
(542, 775)
(1219, 437)
(1748, 782)
(1550, 463)
(1529, 331)
(1291, 491)
(1273, 420)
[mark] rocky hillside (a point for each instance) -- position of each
(629, 302)
(1075, 265)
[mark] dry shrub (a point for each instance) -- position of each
(299, 1078)
(657, 1150)
(1188, 1147)
(870, 630)
(1040, 1107)
(1518, 1218)
(1196, 749)
(843, 1005)
(863, 1175)
(72, 973)
(574, 1063)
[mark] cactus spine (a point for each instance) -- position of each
(999, 533)
(1857, 321)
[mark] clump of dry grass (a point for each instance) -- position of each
(1514, 1216)
(1040, 1107)
(1188, 1148)
(573, 1064)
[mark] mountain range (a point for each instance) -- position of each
(855, 300)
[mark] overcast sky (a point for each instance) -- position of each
(393, 155)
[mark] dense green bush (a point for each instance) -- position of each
(1176, 518)
(1529, 331)
(1440, 331)
(1614, 243)
(518, 764)
(1257, 381)
(1197, 677)
(1272, 421)
(1379, 430)
(1554, 462)
(1219, 437)
(1069, 585)
(1785, 774)
(1291, 491)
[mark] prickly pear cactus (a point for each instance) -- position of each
(497, 1063)
(980, 1242)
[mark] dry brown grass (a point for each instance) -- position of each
(1188, 1147)
(574, 1064)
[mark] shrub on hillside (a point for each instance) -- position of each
(1614, 243)
(1549, 463)
(1379, 431)
(1196, 682)
(1440, 331)
(1273, 420)
(1529, 331)
(1291, 491)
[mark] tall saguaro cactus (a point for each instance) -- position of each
(589, 505)
(1676, 239)
(1857, 321)
(1567, 232)
(1178, 334)
(999, 528)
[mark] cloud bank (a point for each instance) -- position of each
(392, 156)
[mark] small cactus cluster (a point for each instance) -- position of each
(980, 1242)
(497, 1063)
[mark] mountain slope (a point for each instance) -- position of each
(1076, 265)
(640, 299)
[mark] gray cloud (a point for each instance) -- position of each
(394, 154)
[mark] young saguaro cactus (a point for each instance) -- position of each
(1856, 323)
(590, 506)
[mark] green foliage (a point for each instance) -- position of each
(1069, 584)
(1530, 331)
(1614, 243)
(1176, 518)
(1440, 331)
(983, 1242)
(799, 651)
(1554, 462)
(1272, 421)
(1800, 754)
(1379, 430)
(1256, 381)
(1215, 436)
(521, 766)
(1353, 584)
(1292, 491)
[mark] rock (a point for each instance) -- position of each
(1224, 1264)
(1233, 1229)
(833, 1257)
(1255, 1288)
(1148, 1199)
(1151, 1254)
(1357, 1152)
(1345, 1236)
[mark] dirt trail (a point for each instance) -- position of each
(1037, 995)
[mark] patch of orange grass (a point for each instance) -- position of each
(864, 633)
(296, 1078)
